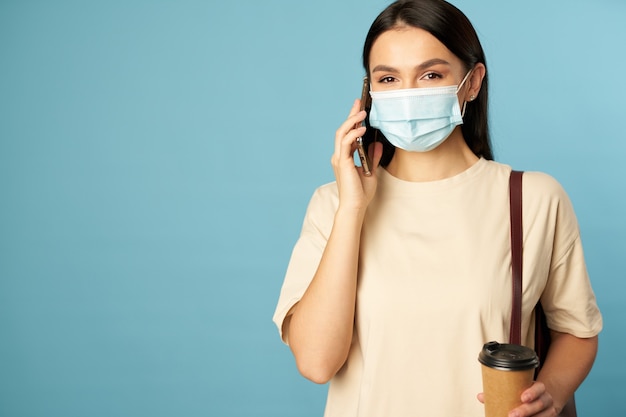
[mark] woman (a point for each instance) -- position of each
(399, 278)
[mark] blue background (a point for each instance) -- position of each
(156, 159)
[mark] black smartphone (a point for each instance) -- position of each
(366, 104)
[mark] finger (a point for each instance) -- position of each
(535, 401)
(349, 145)
(542, 406)
(481, 397)
(356, 106)
(345, 144)
(536, 390)
(354, 119)
(352, 115)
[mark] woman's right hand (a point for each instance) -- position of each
(355, 188)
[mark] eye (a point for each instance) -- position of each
(431, 76)
(386, 80)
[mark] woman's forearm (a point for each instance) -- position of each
(568, 362)
(321, 325)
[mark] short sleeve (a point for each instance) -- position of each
(568, 298)
(307, 252)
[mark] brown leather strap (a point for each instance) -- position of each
(542, 333)
(515, 201)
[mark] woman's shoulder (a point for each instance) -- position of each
(543, 186)
(323, 203)
(534, 182)
(544, 196)
(540, 182)
(326, 194)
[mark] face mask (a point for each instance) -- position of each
(417, 119)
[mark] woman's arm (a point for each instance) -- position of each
(321, 324)
(568, 362)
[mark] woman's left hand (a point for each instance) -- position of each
(536, 402)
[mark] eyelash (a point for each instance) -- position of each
(432, 76)
(429, 76)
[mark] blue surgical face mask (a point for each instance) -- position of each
(417, 119)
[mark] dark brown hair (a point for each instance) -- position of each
(452, 28)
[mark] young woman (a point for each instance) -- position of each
(399, 278)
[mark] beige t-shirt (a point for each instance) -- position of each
(434, 285)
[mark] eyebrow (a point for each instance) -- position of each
(422, 66)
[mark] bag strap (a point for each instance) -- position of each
(542, 333)
(515, 201)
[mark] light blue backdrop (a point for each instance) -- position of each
(156, 159)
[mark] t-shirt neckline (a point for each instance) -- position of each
(391, 183)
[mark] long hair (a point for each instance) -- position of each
(452, 28)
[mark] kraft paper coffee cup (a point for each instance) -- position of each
(508, 371)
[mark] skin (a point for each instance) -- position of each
(319, 327)
(412, 58)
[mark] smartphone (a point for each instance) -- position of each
(366, 103)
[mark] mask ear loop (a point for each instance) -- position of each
(459, 87)
(463, 109)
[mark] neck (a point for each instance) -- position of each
(450, 158)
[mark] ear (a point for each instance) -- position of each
(475, 81)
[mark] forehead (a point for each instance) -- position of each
(408, 47)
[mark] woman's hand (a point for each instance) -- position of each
(536, 402)
(567, 364)
(355, 188)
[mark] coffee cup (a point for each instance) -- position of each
(507, 371)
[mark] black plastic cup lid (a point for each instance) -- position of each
(508, 357)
